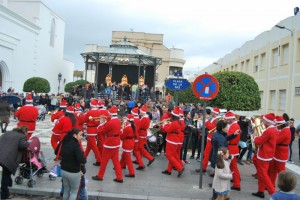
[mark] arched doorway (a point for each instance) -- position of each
(3, 75)
(0, 79)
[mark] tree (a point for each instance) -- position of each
(238, 91)
(36, 84)
(69, 85)
(185, 96)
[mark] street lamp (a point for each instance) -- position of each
(283, 27)
(59, 79)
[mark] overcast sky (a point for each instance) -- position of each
(205, 30)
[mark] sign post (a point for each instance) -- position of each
(205, 87)
(177, 84)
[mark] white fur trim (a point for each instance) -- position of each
(266, 119)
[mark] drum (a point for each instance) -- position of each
(150, 136)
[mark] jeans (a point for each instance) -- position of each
(71, 183)
(299, 147)
(250, 151)
(6, 182)
(185, 147)
(82, 191)
(196, 144)
(290, 151)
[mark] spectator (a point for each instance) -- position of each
(4, 115)
(53, 102)
(292, 128)
(286, 182)
(243, 123)
(298, 133)
(133, 91)
(12, 145)
(122, 109)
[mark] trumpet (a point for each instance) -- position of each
(160, 123)
(97, 118)
(51, 113)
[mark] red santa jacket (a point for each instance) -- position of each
(27, 117)
(173, 129)
(111, 132)
(181, 134)
(266, 144)
(92, 124)
(233, 143)
(64, 125)
(143, 126)
(127, 137)
(137, 125)
(79, 120)
(55, 117)
(283, 139)
(210, 125)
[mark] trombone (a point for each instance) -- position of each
(102, 117)
(161, 122)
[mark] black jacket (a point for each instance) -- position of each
(71, 155)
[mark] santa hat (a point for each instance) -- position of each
(113, 110)
(270, 117)
(63, 104)
(77, 106)
(29, 98)
(143, 109)
(176, 111)
(279, 120)
(100, 104)
(135, 111)
(94, 103)
(130, 117)
(229, 115)
(70, 109)
(216, 111)
(181, 112)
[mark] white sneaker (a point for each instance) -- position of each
(158, 154)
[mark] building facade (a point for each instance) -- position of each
(31, 45)
(273, 60)
(151, 44)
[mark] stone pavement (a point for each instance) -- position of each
(148, 184)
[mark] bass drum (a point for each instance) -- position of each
(150, 136)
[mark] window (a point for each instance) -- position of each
(247, 65)
(232, 68)
(242, 66)
(52, 33)
(297, 90)
(236, 67)
(282, 99)
(272, 100)
(261, 94)
(255, 67)
(156, 76)
(285, 54)
(263, 62)
(275, 54)
(172, 70)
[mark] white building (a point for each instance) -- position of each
(31, 45)
(273, 60)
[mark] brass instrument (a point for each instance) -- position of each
(258, 128)
(160, 123)
(51, 113)
(214, 129)
(100, 118)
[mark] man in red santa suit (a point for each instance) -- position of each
(27, 115)
(266, 144)
(56, 117)
(91, 119)
(211, 127)
(79, 115)
(281, 156)
(233, 148)
(127, 136)
(136, 119)
(143, 127)
(100, 139)
(111, 129)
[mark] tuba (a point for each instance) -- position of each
(258, 128)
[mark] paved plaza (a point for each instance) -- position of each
(148, 184)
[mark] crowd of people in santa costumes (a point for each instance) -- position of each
(27, 115)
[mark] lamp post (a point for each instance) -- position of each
(59, 79)
(283, 27)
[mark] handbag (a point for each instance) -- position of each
(187, 130)
(56, 169)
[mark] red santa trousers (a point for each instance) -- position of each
(55, 139)
(179, 149)
(127, 161)
(206, 154)
(113, 154)
(236, 175)
(100, 144)
(254, 159)
(274, 169)
(263, 177)
(143, 152)
(136, 152)
(171, 154)
(91, 145)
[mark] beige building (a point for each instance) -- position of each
(151, 44)
(273, 60)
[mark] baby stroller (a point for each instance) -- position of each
(42, 112)
(153, 142)
(33, 163)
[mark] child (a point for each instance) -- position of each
(223, 175)
(286, 182)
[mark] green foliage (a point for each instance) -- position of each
(36, 84)
(238, 91)
(185, 96)
(69, 86)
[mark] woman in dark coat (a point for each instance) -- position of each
(12, 145)
(72, 159)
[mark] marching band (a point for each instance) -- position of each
(106, 134)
